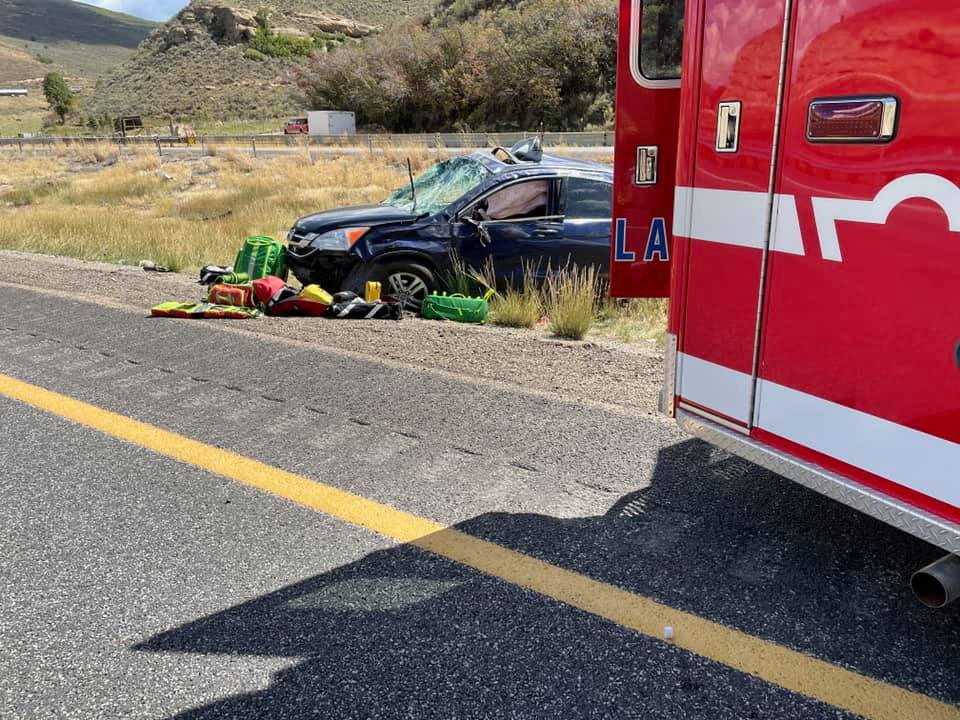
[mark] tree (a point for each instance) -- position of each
(58, 95)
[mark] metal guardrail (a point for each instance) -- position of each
(439, 140)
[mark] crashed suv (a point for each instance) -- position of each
(512, 207)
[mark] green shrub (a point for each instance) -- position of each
(283, 46)
(45, 59)
(570, 299)
(268, 44)
(254, 54)
(511, 66)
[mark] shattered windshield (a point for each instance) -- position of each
(440, 186)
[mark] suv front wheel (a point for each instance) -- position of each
(406, 280)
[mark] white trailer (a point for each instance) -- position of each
(332, 122)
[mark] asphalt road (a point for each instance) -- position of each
(137, 586)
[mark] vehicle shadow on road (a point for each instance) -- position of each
(404, 633)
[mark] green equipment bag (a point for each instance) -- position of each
(260, 257)
(458, 308)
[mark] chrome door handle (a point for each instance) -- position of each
(647, 165)
(728, 126)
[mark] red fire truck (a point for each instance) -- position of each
(809, 162)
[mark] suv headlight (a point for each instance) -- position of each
(341, 240)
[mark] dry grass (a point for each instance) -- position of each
(570, 297)
(519, 305)
(633, 320)
(94, 203)
(88, 202)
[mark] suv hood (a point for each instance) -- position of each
(370, 215)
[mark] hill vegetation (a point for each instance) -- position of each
(478, 65)
(379, 12)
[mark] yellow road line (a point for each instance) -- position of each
(766, 660)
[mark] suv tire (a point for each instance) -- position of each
(407, 280)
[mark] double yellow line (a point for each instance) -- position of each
(769, 661)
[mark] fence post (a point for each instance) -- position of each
(254, 141)
(159, 149)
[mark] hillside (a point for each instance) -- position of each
(198, 64)
(478, 65)
(54, 21)
(18, 65)
(80, 41)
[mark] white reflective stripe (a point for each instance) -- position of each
(916, 460)
(715, 387)
(349, 306)
(373, 311)
(786, 226)
(910, 458)
(682, 206)
(828, 211)
(736, 217)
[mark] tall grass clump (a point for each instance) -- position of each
(31, 194)
(570, 300)
(519, 305)
(460, 279)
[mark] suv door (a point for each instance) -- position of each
(514, 223)
(586, 207)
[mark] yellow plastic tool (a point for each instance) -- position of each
(315, 292)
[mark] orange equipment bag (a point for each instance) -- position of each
(235, 295)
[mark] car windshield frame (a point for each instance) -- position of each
(441, 186)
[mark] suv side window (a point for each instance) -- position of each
(530, 199)
(585, 199)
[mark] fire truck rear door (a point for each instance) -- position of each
(858, 368)
(645, 159)
(726, 209)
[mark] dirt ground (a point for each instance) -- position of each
(608, 372)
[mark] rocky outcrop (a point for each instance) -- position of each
(228, 25)
(199, 62)
(333, 24)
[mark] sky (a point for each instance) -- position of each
(150, 9)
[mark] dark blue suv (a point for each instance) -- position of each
(508, 207)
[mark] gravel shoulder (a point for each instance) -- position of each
(608, 372)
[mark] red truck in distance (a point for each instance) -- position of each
(297, 126)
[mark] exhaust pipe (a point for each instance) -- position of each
(938, 584)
